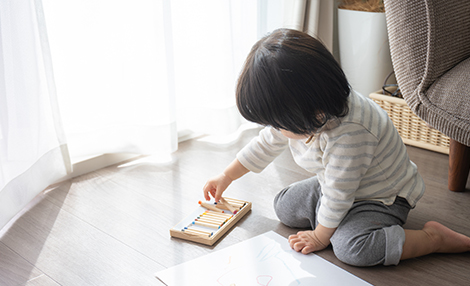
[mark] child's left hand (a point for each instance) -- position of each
(311, 240)
(306, 242)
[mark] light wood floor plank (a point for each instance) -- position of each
(41, 280)
(72, 252)
(14, 269)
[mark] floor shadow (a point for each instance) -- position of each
(26, 237)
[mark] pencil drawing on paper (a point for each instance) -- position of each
(265, 260)
(269, 267)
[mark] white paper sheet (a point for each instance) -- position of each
(265, 260)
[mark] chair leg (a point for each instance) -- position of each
(459, 166)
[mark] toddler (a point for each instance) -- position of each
(365, 184)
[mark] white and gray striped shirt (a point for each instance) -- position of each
(358, 157)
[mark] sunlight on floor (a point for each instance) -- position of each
(230, 138)
(160, 159)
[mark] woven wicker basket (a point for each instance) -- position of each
(412, 129)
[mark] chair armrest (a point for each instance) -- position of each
(427, 38)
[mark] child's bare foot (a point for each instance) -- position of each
(305, 242)
(446, 240)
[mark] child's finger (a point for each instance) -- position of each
(208, 189)
(218, 194)
(298, 246)
(206, 196)
(307, 249)
(293, 239)
(213, 193)
(205, 191)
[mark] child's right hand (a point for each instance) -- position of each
(216, 186)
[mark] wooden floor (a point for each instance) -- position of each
(111, 227)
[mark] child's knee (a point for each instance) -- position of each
(282, 208)
(356, 257)
(365, 250)
(288, 211)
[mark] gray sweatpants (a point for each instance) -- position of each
(370, 234)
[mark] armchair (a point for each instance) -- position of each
(430, 49)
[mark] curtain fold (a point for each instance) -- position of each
(33, 150)
(314, 17)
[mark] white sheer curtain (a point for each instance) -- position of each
(131, 75)
(119, 76)
(32, 144)
(112, 62)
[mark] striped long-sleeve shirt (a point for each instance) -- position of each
(358, 157)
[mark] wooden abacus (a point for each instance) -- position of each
(210, 221)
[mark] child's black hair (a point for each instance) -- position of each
(291, 81)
